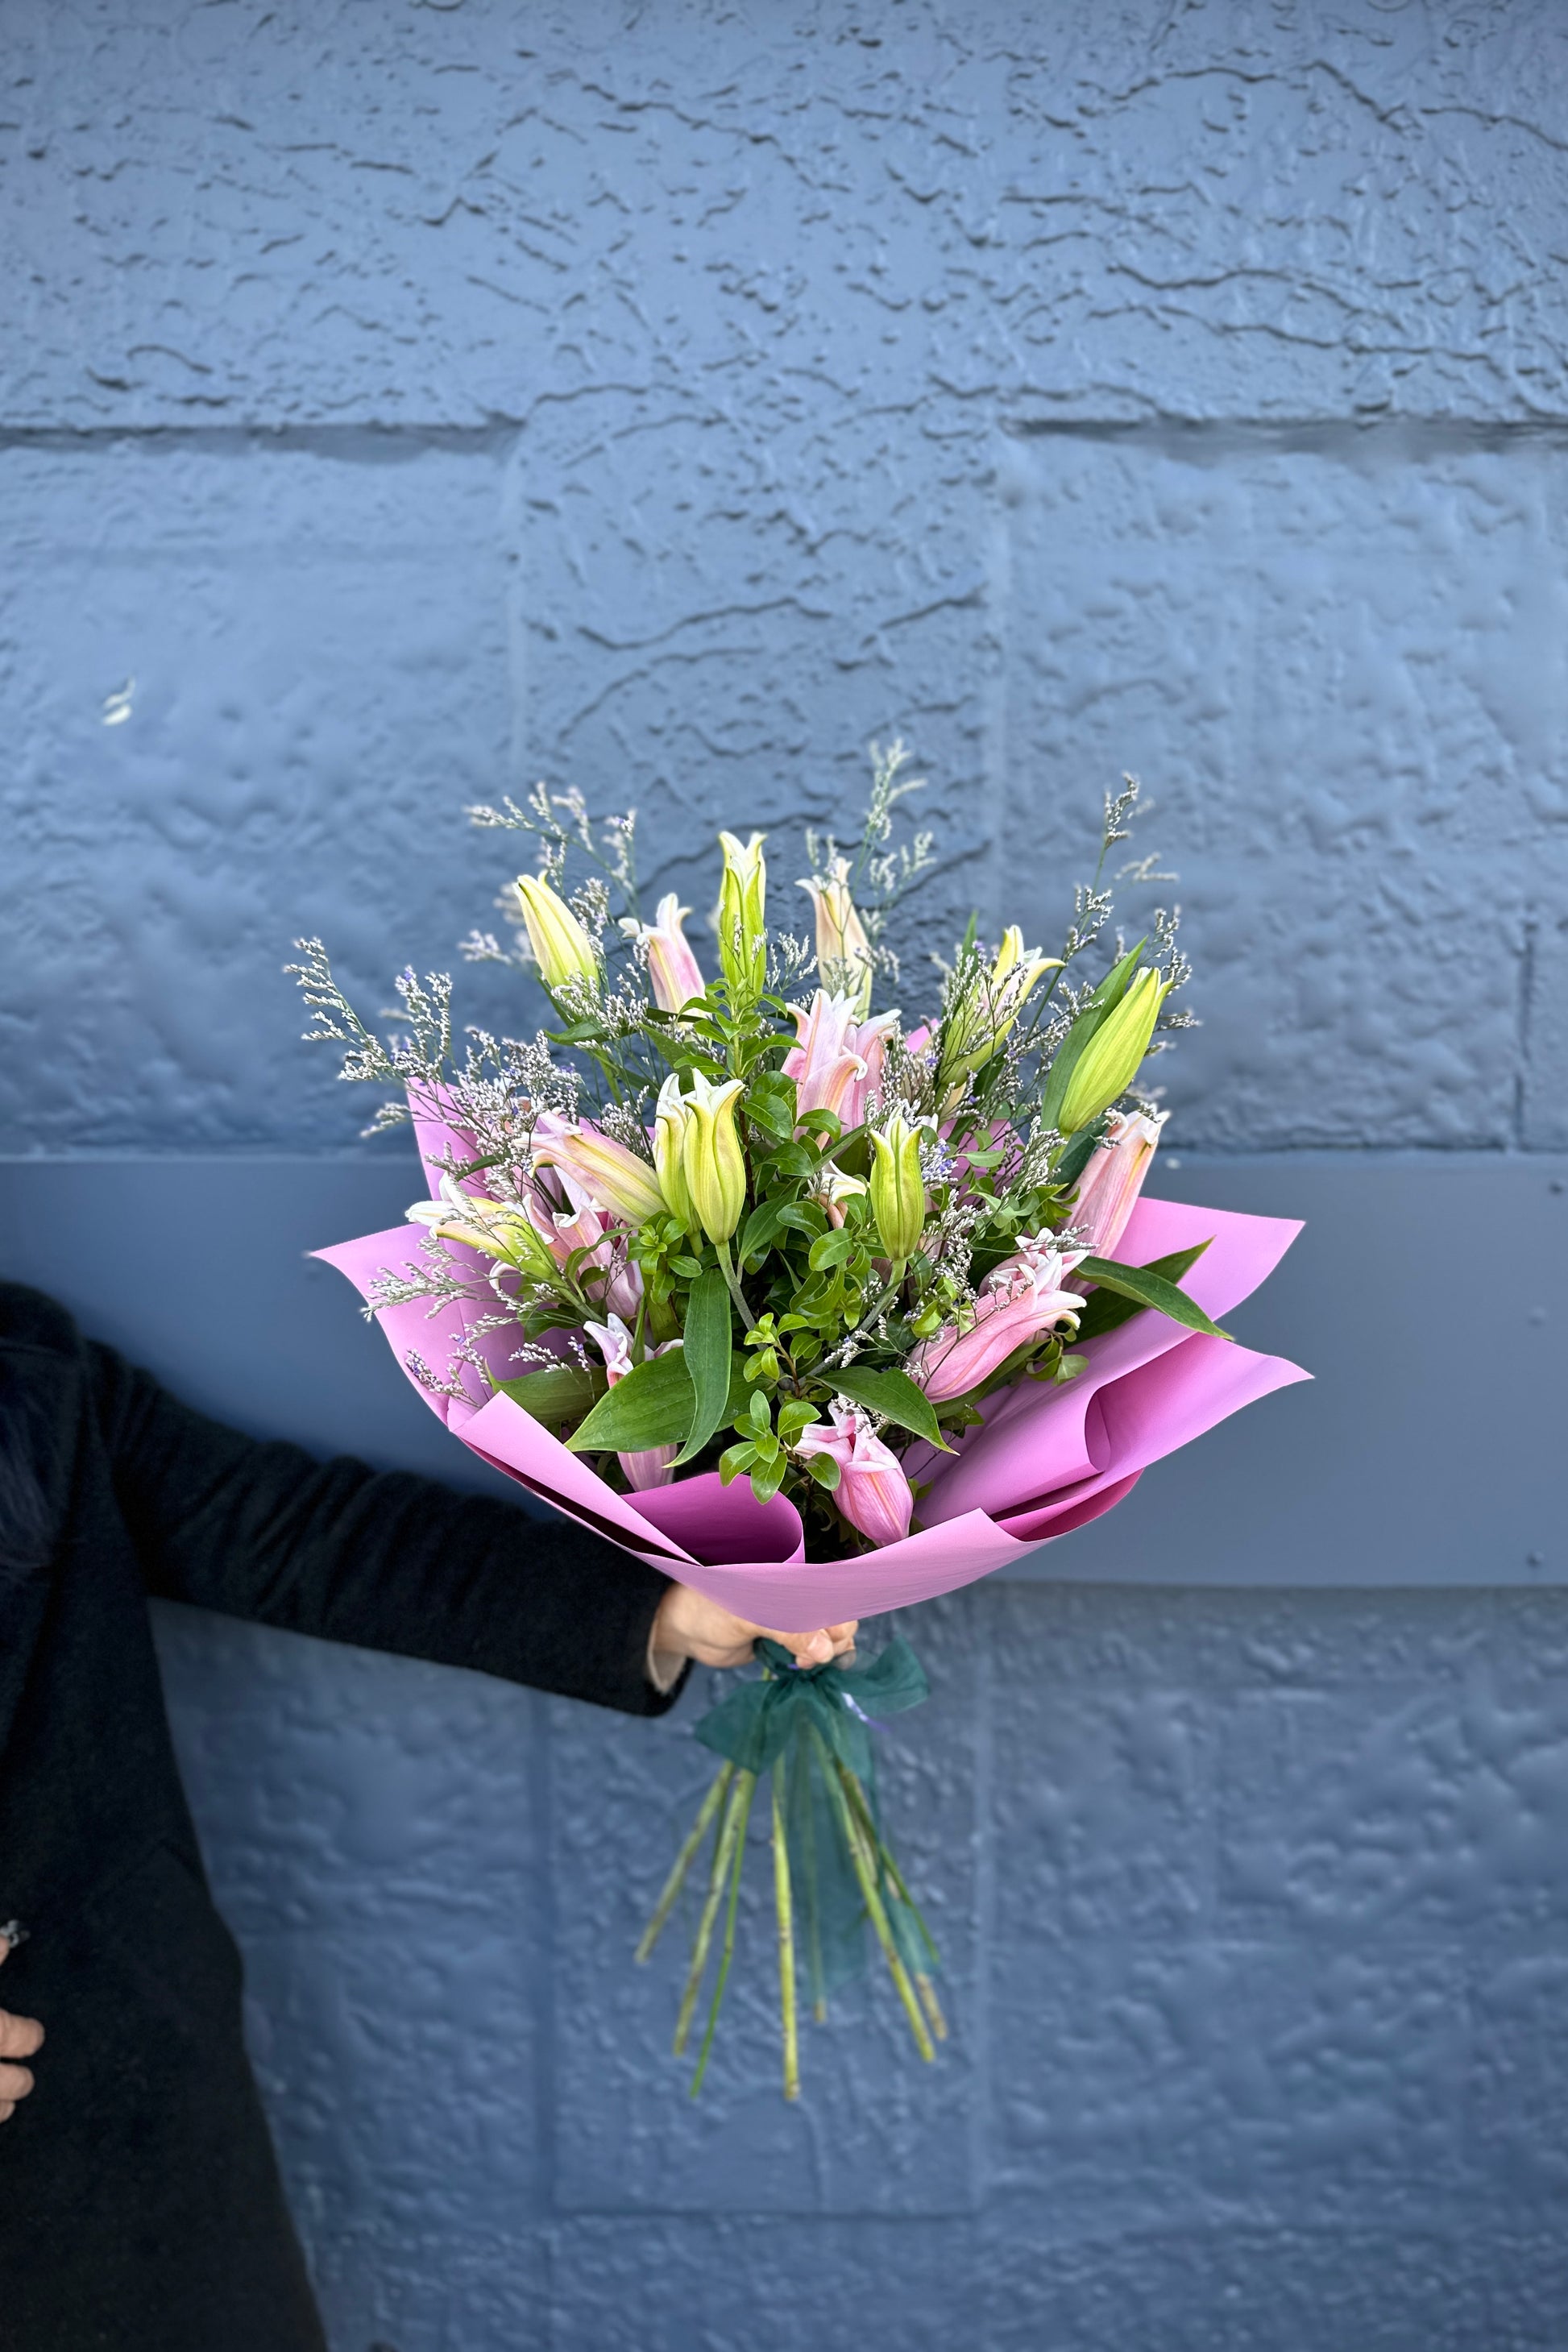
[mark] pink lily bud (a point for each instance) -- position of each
(1109, 1188)
(674, 974)
(1022, 1300)
(836, 1061)
(872, 1491)
(614, 1341)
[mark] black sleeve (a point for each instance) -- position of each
(385, 1559)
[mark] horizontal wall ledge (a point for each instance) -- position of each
(1428, 1296)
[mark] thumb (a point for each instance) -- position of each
(810, 1649)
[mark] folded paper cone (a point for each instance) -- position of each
(1047, 1460)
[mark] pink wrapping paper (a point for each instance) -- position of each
(1048, 1459)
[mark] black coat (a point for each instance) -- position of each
(139, 2205)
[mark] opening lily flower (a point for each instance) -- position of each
(834, 1190)
(711, 1160)
(872, 1491)
(1021, 1299)
(671, 1120)
(615, 1180)
(562, 947)
(1109, 1188)
(843, 949)
(898, 1194)
(653, 1467)
(673, 972)
(837, 1059)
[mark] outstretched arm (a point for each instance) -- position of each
(385, 1559)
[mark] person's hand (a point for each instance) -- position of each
(690, 1625)
(20, 2037)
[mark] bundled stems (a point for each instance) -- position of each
(841, 1865)
(864, 1859)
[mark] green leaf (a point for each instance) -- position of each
(758, 1232)
(1118, 978)
(1069, 1054)
(768, 1478)
(1147, 1286)
(1078, 1151)
(651, 1406)
(824, 1470)
(892, 1394)
(831, 1249)
(770, 1102)
(1107, 1309)
(792, 1159)
(708, 1353)
(555, 1394)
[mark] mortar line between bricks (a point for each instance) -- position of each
(1400, 436)
(375, 441)
(364, 442)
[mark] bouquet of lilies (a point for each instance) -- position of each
(820, 1311)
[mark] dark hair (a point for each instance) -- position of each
(24, 1508)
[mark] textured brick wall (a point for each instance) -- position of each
(400, 402)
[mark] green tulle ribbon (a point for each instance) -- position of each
(834, 1878)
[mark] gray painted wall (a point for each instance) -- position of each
(399, 403)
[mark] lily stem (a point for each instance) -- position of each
(740, 1807)
(684, 1860)
(724, 1847)
(733, 1281)
(784, 1900)
(857, 1799)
